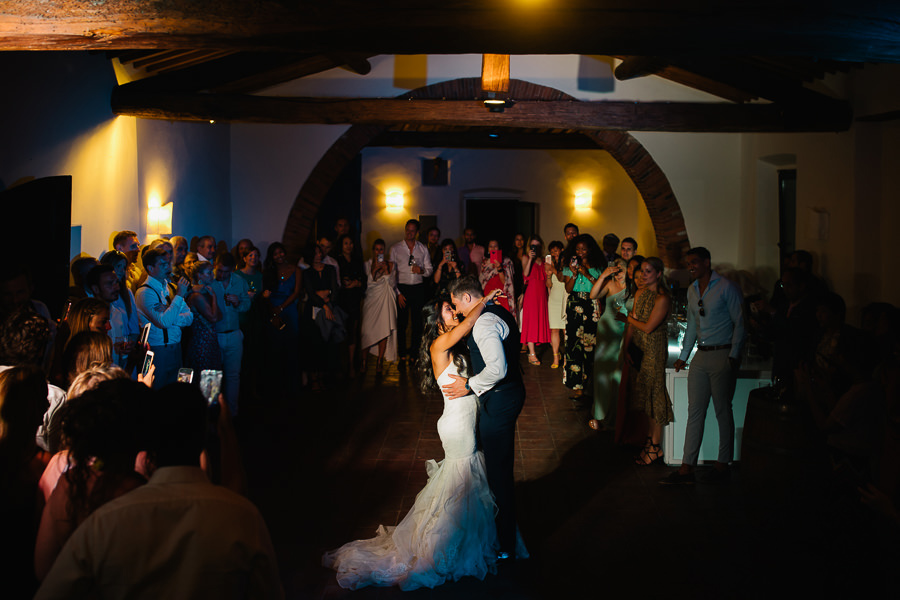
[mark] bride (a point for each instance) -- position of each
(449, 532)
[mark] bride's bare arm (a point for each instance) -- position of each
(450, 338)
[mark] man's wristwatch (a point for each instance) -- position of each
(468, 389)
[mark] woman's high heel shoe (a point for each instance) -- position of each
(649, 456)
(533, 359)
(556, 358)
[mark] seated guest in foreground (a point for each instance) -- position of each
(23, 392)
(177, 536)
(23, 339)
(166, 315)
(103, 429)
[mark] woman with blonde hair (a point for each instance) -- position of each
(202, 349)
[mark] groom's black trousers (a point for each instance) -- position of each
(497, 434)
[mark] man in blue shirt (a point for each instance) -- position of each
(716, 323)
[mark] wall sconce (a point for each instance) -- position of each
(159, 216)
(583, 199)
(394, 200)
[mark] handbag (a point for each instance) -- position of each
(636, 355)
(332, 330)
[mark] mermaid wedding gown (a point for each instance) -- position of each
(449, 532)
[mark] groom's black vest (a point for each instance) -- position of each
(510, 349)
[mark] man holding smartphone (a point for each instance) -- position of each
(166, 313)
(413, 268)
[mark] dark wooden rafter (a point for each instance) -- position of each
(616, 115)
(633, 67)
(651, 182)
(867, 32)
(231, 72)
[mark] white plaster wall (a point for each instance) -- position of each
(269, 165)
(56, 120)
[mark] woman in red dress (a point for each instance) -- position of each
(535, 315)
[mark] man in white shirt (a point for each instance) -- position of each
(233, 298)
(102, 283)
(166, 315)
(177, 536)
(413, 265)
(206, 248)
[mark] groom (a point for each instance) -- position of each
(494, 350)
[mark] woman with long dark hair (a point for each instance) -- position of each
(648, 324)
(449, 532)
(350, 295)
(582, 261)
(535, 316)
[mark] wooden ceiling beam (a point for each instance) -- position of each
(628, 116)
(868, 32)
(633, 67)
(495, 73)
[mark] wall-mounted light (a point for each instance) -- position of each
(394, 200)
(583, 199)
(159, 216)
(494, 103)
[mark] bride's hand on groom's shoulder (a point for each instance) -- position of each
(457, 389)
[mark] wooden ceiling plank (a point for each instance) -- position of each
(616, 115)
(822, 30)
(192, 60)
(153, 58)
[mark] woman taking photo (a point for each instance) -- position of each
(648, 324)
(497, 274)
(581, 270)
(379, 318)
(535, 318)
(609, 289)
(556, 300)
(447, 268)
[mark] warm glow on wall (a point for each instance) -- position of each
(394, 199)
(159, 215)
(583, 199)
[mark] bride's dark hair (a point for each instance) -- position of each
(432, 331)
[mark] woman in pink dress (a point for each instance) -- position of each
(535, 316)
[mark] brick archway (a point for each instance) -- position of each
(652, 184)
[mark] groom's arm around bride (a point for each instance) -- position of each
(497, 381)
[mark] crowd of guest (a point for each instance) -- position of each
(73, 391)
(87, 446)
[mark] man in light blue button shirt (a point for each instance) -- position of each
(716, 324)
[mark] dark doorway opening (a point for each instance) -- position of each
(500, 219)
(787, 213)
(41, 211)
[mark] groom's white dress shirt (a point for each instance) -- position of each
(489, 332)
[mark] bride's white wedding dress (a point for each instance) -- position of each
(449, 532)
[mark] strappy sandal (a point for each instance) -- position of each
(555, 365)
(533, 359)
(655, 450)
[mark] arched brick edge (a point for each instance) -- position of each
(652, 184)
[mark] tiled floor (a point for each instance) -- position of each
(329, 467)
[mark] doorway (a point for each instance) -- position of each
(787, 213)
(500, 219)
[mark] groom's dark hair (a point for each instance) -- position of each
(466, 285)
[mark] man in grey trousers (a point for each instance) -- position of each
(716, 324)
